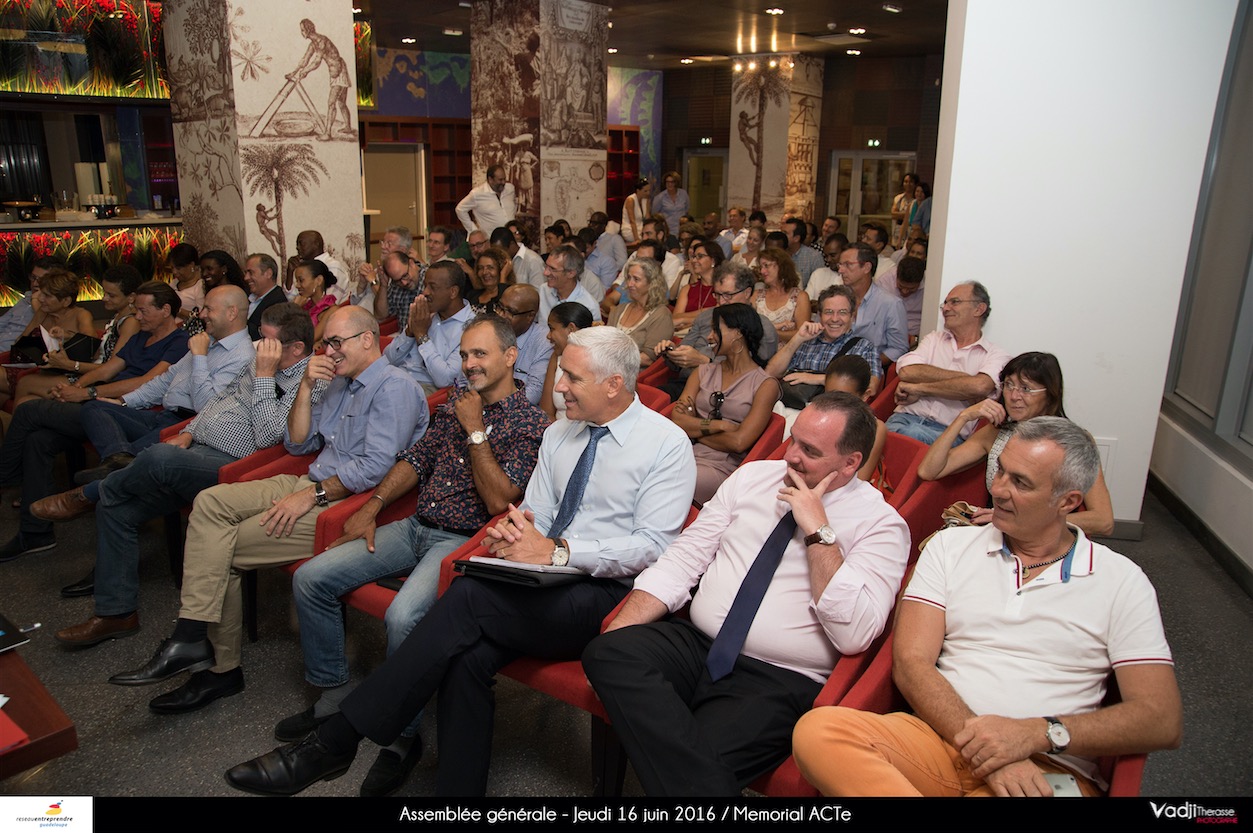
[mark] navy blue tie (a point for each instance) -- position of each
(578, 482)
(730, 639)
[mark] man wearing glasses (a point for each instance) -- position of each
(951, 368)
(733, 284)
(369, 411)
(561, 272)
(519, 306)
(881, 318)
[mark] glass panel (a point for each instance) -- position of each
(705, 182)
(843, 190)
(880, 183)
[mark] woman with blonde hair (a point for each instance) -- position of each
(644, 316)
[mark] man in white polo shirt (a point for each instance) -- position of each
(1004, 645)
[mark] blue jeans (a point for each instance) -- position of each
(919, 428)
(398, 547)
(163, 479)
(114, 429)
(41, 429)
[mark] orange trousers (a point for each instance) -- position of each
(845, 752)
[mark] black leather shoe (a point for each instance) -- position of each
(202, 689)
(26, 545)
(389, 771)
(85, 586)
(292, 729)
(290, 769)
(170, 659)
(110, 464)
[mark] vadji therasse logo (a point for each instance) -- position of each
(1188, 810)
(54, 809)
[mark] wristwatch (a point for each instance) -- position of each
(824, 535)
(478, 437)
(1058, 735)
(319, 494)
(561, 553)
(92, 393)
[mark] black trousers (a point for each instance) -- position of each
(475, 628)
(686, 735)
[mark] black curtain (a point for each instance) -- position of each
(23, 158)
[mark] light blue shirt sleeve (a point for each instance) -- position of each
(403, 353)
(442, 351)
(534, 351)
(13, 323)
(152, 393)
(636, 501)
(212, 374)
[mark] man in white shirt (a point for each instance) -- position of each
(528, 267)
(705, 706)
(732, 239)
(493, 203)
(1004, 646)
(561, 274)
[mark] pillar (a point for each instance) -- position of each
(263, 97)
(538, 104)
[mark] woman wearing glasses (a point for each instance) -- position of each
(1031, 386)
(726, 405)
(702, 260)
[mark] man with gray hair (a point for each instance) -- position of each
(611, 489)
(733, 284)
(949, 369)
(1004, 645)
(561, 272)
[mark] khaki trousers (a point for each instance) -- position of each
(845, 752)
(225, 538)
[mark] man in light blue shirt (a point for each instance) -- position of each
(610, 491)
(428, 347)
(121, 428)
(609, 254)
(14, 322)
(370, 411)
(562, 272)
(520, 307)
(880, 317)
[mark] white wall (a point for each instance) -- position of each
(1072, 140)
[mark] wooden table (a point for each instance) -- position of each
(51, 731)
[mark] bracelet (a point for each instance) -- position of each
(379, 499)
(76, 366)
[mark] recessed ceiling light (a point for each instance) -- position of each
(455, 33)
(773, 63)
(739, 67)
(752, 65)
(857, 31)
(609, 24)
(852, 52)
(774, 10)
(891, 9)
(356, 10)
(408, 40)
(686, 61)
(613, 50)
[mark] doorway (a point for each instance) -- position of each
(395, 187)
(705, 178)
(863, 185)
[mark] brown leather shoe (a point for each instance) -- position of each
(98, 629)
(63, 507)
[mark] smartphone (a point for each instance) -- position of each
(1063, 784)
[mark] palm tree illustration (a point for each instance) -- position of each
(767, 86)
(281, 170)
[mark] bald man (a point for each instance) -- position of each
(519, 306)
(310, 246)
(121, 428)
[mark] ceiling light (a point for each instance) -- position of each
(609, 24)
(686, 61)
(752, 65)
(891, 9)
(739, 67)
(613, 50)
(858, 31)
(852, 52)
(408, 40)
(454, 33)
(356, 10)
(774, 10)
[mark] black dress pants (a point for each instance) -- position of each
(685, 734)
(475, 629)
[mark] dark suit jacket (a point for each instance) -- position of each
(274, 296)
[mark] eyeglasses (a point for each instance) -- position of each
(1013, 387)
(335, 342)
(727, 296)
(701, 255)
(513, 313)
(952, 302)
(715, 404)
(847, 264)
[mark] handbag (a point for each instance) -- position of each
(81, 347)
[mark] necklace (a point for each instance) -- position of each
(703, 294)
(1025, 569)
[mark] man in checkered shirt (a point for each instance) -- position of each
(250, 414)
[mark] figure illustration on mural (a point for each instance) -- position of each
(762, 86)
(279, 171)
(337, 124)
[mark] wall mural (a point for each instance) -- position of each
(573, 82)
(505, 114)
(422, 84)
(635, 97)
(760, 98)
(297, 127)
(802, 137)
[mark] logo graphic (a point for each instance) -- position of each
(54, 809)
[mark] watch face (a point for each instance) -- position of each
(826, 534)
